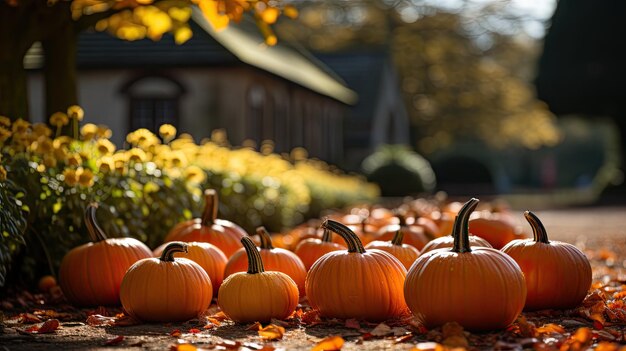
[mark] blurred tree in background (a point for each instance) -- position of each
(465, 70)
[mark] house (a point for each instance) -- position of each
(227, 79)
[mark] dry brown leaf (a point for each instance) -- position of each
(330, 343)
(97, 320)
(381, 329)
(272, 332)
(550, 328)
(255, 326)
(49, 326)
(114, 341)
(352, 324)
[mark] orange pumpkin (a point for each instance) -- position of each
(357, 283)
(558, 275)
(479, 288)
(448, 240)
(257, 295)
(219, 232)
(406, 254)
(495, 227)
(166, 289)
(310, 250)
(91, 274)
(413, 235)
(274, 259)
(208, 256)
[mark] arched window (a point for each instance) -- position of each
(153, 101)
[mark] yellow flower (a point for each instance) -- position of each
(167, 132)
(85, 177)
(136, 155)
(49, 161)
(4, 134)
(105, 147)
(194, 174)
(120, 160)
(59, 119)
(60, 153)
(62, 142)
(142, 137)
(106, 164)
(104, 132)
(40, 129)
(43, 145)
(178, 159)
(75, 112)
(73, 159)
(20, 126)
(70, 177)
(3, 174)
(89, 131)
(5, 121)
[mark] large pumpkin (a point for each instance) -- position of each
(257, 295)
(406, 254)
(219, 232)
(558, 274)
(309, 250)
(356, 283)
(91, 274)
(208, 256)
(479, 288)
(274, 259)
(166, 289)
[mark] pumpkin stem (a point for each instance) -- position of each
(266, 239)
(255, 263)
(95, 232)
(351, 239)
(540, 234)
(460, 231)
(327, 235)
(209, 214)
(168, 252)
(398, 238)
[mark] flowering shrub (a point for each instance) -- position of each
(153, 184)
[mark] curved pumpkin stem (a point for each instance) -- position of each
(266, 239)
(460, 231)
(168, 252)
(351, 239)
(327, 235)
(209, 214)
(540, 234)
(255, 263)
(95, 232)
(398, 238)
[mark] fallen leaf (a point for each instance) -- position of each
(194, 331)
(607, 346)
(28, 318)
(175, 333)
(183, 347)
(272, 332)
(97, 320)
(381, 329)
(331, 343)
(255, 326)
(550, 328)
(125, 321)
(579, 341)
(114, 341)
(352, 324)
(311, 318)
(403, 338)
(598, 325)
(220, 316)
(49, 326)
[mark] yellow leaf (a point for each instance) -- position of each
(272, 332)
(330, 343)
(182, 34)
(216, 19)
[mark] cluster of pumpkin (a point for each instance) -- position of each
(458, 277)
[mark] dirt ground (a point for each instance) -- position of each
(600, 232)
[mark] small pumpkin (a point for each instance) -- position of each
(257, 295)
(406, 254)
(274, 259)
(208, 256)
(498, 228)
(309, 250)
(413, 235)
(356, 283)
(219, 232)
(480, 288)
(91, 274)
(448, 241)
(558, 275)
(166, 289)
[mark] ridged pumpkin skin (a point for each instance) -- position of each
(91, 274)
(257, 295)
(357, 283)
(448, 242)
(406, 254)
(480, 288)
(208, 256)
(413, 235)
(224, 234)
(558, 275)
(309, 250)
(166, 289)
(274, 259)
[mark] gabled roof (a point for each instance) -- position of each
(237, 44)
